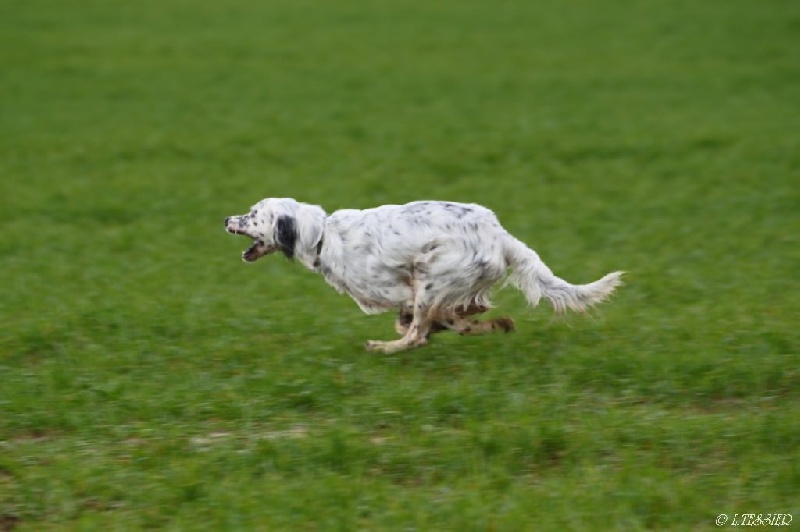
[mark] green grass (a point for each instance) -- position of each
(150, 379)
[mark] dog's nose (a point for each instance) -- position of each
(226, 221)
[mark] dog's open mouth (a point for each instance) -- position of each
(254, 252)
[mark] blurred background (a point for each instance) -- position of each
(149, 378)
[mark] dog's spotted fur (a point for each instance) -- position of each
(433, 262)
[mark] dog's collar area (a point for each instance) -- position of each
(317, 261)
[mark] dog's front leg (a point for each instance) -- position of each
(416, 333)
(415, 336)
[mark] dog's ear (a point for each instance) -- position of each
(310, 223)
(286, 235)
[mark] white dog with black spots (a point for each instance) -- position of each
(433, 262)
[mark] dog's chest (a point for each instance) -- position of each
(367, 265)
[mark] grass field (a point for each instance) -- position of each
(150, 379)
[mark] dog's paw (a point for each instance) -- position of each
(376, 346)
(506, 324)
(395, 346)
(387, 348)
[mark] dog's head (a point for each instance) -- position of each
(278, 224)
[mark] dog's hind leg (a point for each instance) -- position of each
(459, 324)
(464, 326)
(444, 323)
(467, 327)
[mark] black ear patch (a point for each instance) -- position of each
(286, 235)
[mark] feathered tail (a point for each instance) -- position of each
(534, 279)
